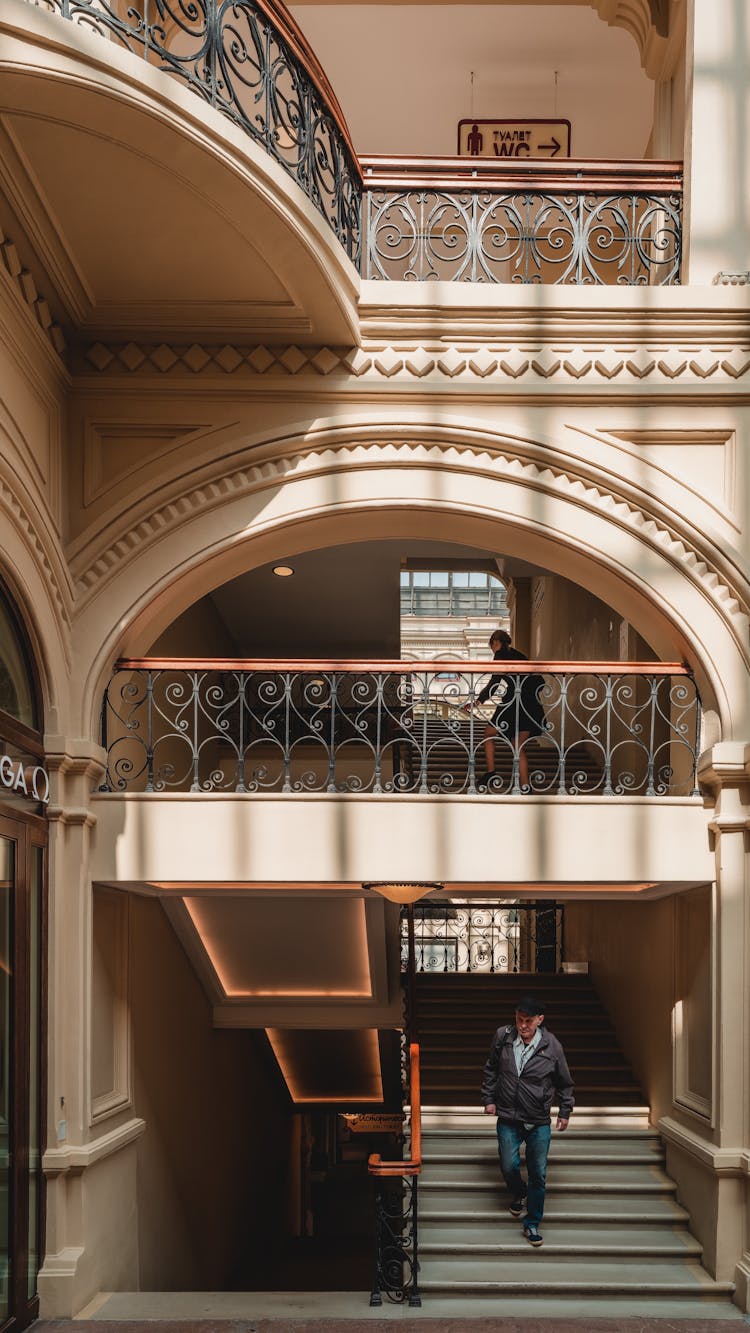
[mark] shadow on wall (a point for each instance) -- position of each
(213, 1162)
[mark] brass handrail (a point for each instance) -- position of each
(468, 666)
(412, 1165)
(481, 173)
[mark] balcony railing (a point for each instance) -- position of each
(461, 937)
(452, 219)
(465, 220)
(249, 59)
(598, 728)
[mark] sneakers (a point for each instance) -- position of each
(516, 1207)
(532, 1235)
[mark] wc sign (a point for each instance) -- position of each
(24, 779)
(519, 140)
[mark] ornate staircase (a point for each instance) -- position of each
(617, 1240)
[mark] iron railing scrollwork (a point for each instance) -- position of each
(450, 219)
(607, 729)
(396, 1253)
(485, 937)
(396, 1264)
(248, 59)
(462, 220)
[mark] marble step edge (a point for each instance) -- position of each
(558, 1250)
(677, 1217)
(539, 1287)
(557, 1157)
(558, 1187)
(472, 1137)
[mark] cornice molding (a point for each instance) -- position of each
(621, 507)
(558, 364)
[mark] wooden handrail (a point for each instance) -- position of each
(400, 667)
(412, 1165)
(480, 173)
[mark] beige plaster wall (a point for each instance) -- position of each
(568, 623)
(643, 958)
(630, 947)
(217, 1123)
(198, 632)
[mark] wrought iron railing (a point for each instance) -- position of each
(466, 220)
(396, 1263)
(462, 936)
(249, 59)
(599, 728)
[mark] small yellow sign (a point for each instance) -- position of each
(517, 139)
(374, 1122)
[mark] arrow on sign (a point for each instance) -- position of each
(554, 146)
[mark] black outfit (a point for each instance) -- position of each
(527, 1097)
(519, 707)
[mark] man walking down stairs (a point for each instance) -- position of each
(525, 1072)
(617, 1242)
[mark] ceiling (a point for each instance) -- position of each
(342, 601)
(415, 84)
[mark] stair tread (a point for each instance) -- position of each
(658, 1243)
(662, 1209)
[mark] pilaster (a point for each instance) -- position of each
(724, 773)
(716, 141)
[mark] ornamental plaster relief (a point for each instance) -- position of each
(564, 365)
(668, 538)
(45, 560)
(24, 285)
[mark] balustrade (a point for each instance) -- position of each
(464, 220)
(485, 937)
(440, 218)
(250, 60)
(400, 728)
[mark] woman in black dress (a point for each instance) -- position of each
(519, 713)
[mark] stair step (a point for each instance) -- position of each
(493, 1190)
(540, 1277)
(581, 1174)
(624, 1210)
(557, 1157)
(482, 1139)
(561, 1242)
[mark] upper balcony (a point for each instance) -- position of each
(392, 202)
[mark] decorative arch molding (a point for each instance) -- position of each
(36, 578)
(187, 545)
(526, 460)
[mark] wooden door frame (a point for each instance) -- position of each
(28, 831)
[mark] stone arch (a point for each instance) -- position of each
(35, 578)
(342, 490)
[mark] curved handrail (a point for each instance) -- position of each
(250, 60)
(283, 21)
(412, 1165)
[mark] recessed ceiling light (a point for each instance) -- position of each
(283, 571)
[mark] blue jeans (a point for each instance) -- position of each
(509, 1140)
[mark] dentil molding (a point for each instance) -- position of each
(25, 286)
(511, 363)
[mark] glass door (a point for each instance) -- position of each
(22, 924)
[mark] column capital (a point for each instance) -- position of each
(725, 764)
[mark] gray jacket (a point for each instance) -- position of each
(544, 1079)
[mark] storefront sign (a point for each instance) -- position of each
(24, 779)
(374, 1123)
(519, 139)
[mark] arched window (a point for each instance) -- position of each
(18, 695)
